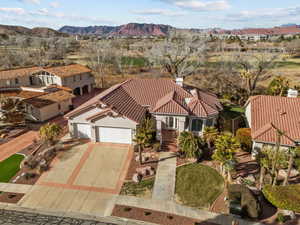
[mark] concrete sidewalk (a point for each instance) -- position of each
(15, 188)
(180, 210)
(164, 186)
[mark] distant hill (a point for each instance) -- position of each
(292, 29)
(289, 25)
(35, 32)
(131, 29)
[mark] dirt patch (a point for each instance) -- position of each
(154, 216)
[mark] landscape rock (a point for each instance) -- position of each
(137, 158)
(136, 178)
(250, 178)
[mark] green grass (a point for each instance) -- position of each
(198, 185)
(134, 61)
(288, 64)
(137, 189)
(9, 167)
(284, 197)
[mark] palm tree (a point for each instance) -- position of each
(144, 136)
(210, 134)
(190, 144)
(50, 132)
(226, 147)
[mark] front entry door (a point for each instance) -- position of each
(171, 123)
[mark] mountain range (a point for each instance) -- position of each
(138, 29)
(130, 29)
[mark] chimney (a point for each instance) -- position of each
(179, 81)
(292, 93)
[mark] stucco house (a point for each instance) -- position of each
(113, 115)
(266, 114)
(75, 76)
(41, 104)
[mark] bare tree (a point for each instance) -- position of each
(254, 68)
(179, 54)
(98, 55)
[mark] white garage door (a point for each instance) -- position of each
(115, 135)
(84, 131)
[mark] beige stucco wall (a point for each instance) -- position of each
(248, 114)
(22, 81)
(75, 81)
(118, 122)
(182, 126)
(257, 147)
(50, 111)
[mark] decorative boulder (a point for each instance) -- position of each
(142, 171)
(250, 178)
(152, 172)
(137, 158)
(282, 174)
(136, 178)
(294, 173)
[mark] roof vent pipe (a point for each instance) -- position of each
(292, 93)
(179, 81)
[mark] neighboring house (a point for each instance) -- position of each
(266, 114)
(75, 76)
(113, 115)
(42, 104)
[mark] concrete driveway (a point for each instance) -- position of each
(85, 179)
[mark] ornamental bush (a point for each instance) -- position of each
(284, 197)
(243, 135)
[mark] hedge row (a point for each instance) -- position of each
(284, 197)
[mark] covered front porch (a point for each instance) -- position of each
(182, 123)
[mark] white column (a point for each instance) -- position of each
(93, 130)
(158, 129)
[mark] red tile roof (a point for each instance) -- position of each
(61, 71)
(70, 70)
(172, 103)
(10, 74)
(268, 112)
(134, 97)
(204, 104)
(49, 98)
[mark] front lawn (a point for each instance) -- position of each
(284, 197)
(198, 185)
(9, 167)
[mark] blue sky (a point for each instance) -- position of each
(179, 13)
